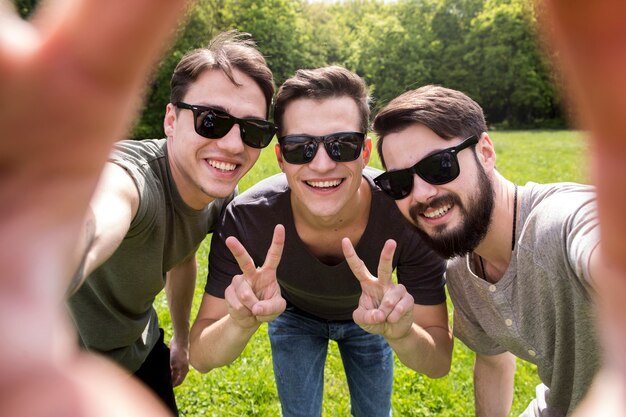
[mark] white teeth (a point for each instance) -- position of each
(324, 184)
(439, 212)
(223, 166)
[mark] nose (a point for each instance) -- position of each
(422, 191)
(321, 161)
(232, 142)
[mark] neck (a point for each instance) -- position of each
(496, 248)
(322, 235)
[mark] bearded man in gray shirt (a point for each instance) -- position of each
(523, 258)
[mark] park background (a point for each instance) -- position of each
(488, 49)
(485, 48)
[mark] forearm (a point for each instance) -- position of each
(218, 343)
(428, 351)
(224, 325)
(493, 384)
(180, 285)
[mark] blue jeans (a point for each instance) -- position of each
(299, 349)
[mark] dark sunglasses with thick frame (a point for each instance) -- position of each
(213, 123)
(341, 147)
(438, 168)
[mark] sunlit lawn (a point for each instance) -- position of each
(246, 388)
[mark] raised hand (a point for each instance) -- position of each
(70, 84)
(254, 296)
(384, 307)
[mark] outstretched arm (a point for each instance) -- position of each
(108, 219)
(587, 40)
(420, 335)
(223, 328)
(70, 82)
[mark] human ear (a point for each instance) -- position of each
(367, 150)
(486, 152)
(169, 121)
(279, 156)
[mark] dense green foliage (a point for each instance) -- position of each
(486, 48)
(247, 388)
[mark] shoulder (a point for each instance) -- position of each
(558, 205)
(369, 173)
(252, 215)
(269, 193)
(138, 157)
(261, 206)
(138, 150)
(557, 194)
(559, 219)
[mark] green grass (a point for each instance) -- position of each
(246, 388)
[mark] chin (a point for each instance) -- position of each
(215, 193)
(324, 211)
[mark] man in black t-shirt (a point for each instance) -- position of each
(324, 208)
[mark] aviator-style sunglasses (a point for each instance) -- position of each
(436, 169)
(341, 147)
(214, 124)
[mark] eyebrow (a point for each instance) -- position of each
(441, 150)
(222, 108)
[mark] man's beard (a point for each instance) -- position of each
(475, 220)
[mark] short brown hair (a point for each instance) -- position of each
(322, 83)
(226, 51)
(449, 113)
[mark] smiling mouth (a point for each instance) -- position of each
(440, 212)
(222, 166)
(324, 184)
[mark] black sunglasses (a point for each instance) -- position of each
(214, 124)
(438, 168)
(340, 147)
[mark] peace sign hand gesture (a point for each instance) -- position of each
(254, 296)
(384, 307)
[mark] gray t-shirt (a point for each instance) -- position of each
(113, 309)
(324, 291)
(541, 310)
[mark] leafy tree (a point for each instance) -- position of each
(486, 48)
(450, 26)
(326, 33)
(201, 24)
(508, 75)
(389, 49)
(277, 26)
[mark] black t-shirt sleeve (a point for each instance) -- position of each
(222, 264)
(421, 270)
